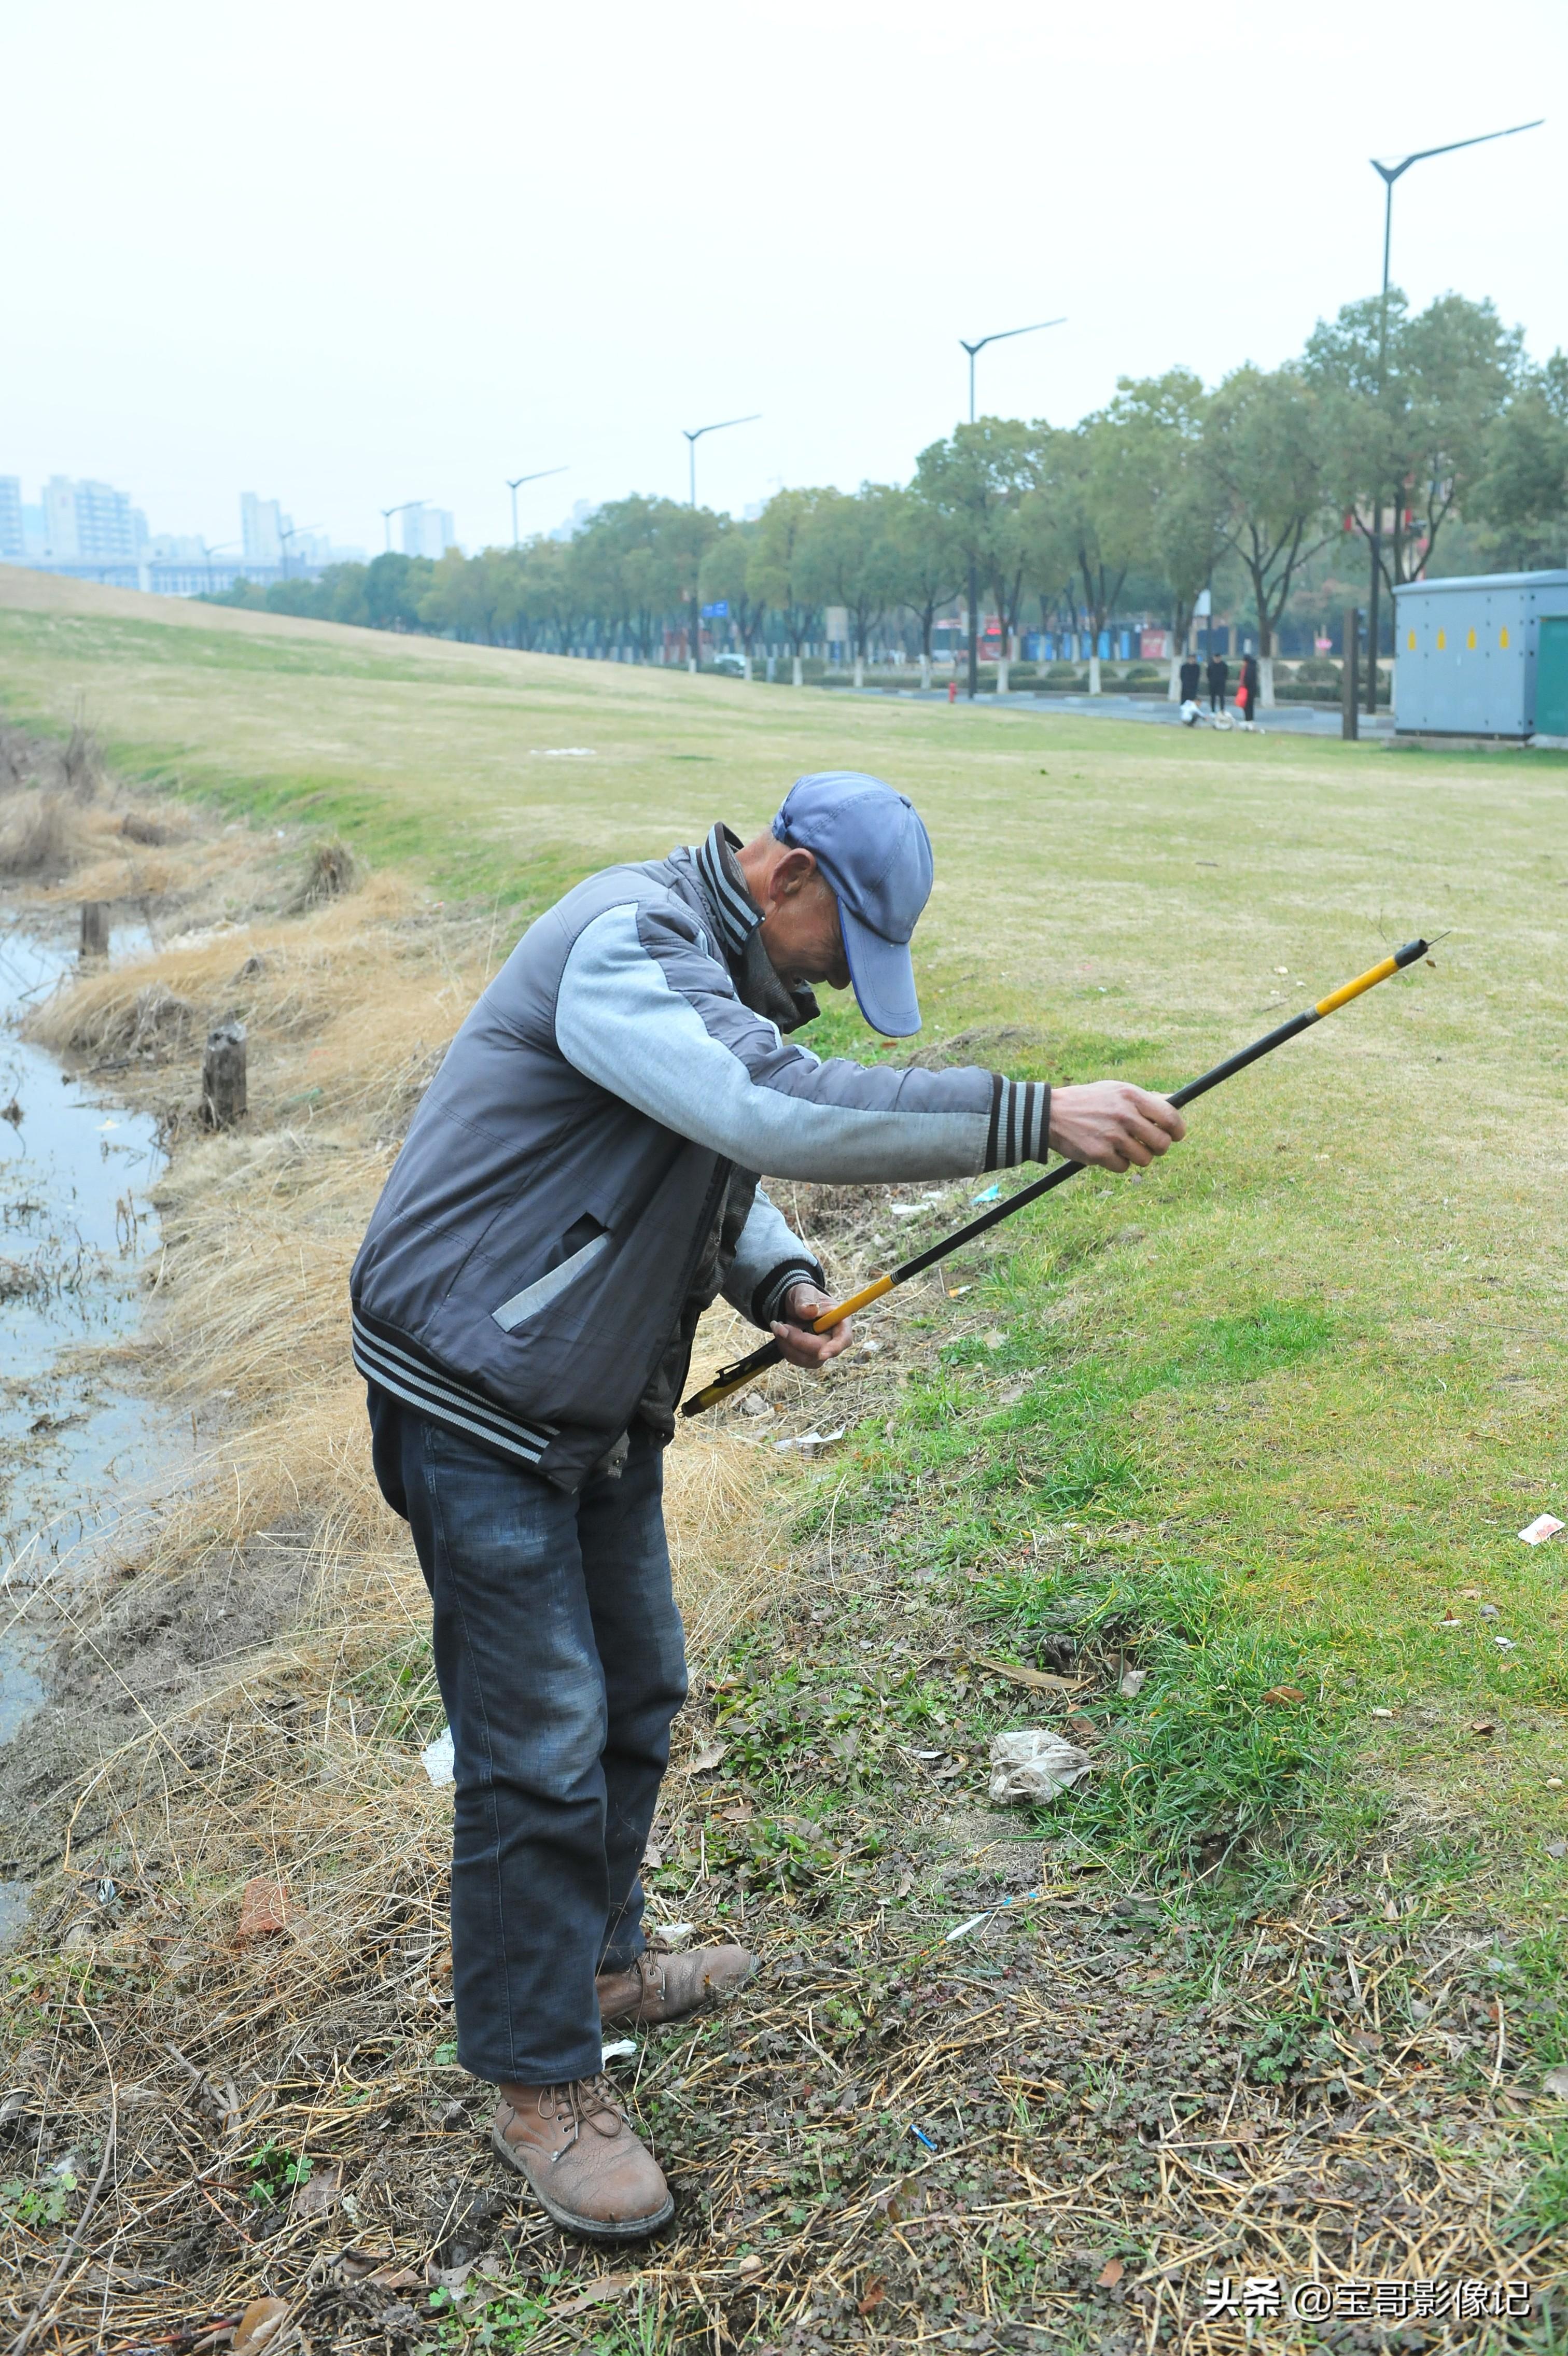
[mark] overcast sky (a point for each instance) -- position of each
(348, 254)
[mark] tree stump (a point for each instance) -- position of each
(224, 1075)
(96, 928)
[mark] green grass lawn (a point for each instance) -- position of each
(1310, 1368)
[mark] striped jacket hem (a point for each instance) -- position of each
(420, 1383)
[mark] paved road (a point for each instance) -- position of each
(1287, 720)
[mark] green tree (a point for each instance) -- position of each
(1409, 417)
(977, 481)
(848, 559)
(1522, 493)
(1162, 420)
(725, 580)
(1264, 452)
(926, 563)
(779, 571)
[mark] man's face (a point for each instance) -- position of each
(801, 929)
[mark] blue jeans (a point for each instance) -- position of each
(559, 1654)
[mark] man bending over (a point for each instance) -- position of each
(579, 1183)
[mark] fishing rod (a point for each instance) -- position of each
(730, 1379)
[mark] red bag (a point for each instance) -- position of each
(1241, 695)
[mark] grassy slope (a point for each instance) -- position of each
(1131, 896)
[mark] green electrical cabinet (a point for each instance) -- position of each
(1551, 676)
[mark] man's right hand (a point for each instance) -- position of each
(1113, 1125)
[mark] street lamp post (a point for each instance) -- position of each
(693, 437)
(387, 513)
(514, 481)
(293, 531)
(1389, 173)
(1001, 337)
(209, 553)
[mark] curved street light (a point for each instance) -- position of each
(1389, 173)
(514, 482)
(1001, 337)
(693, 437)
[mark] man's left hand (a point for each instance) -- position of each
(793, 1333)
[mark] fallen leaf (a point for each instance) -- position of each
(259, 2323)
(1285, 1696)
(706, 1758)
(322, 2190)
(1133, 1683)
(1112, 2275)
(1556, 2083)
(876, 2291)
(397, 2279)
(1485, 1726)
(750, 2265)
(264, 1910)
(607, 2286)
(1041, 1680)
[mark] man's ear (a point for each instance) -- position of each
(792, 873)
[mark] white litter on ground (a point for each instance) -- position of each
(1544, 1527)
(622, 2050)
(439, 1760)
(1030, 1764)
(812, 1439)
(563, 753)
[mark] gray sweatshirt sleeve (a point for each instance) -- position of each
(769, 1258)
(646, 1011)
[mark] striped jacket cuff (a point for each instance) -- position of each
(767, 1298)
(1020, 1123)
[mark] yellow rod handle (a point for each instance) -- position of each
(1338, 998)
(832, 1317)
(857, 1301)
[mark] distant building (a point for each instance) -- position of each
(13, 544)
(90, 523)
(263, 525)
(427, 532)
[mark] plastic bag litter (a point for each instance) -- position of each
(1029, 1765)
(439, 1760)
(1544, 1527)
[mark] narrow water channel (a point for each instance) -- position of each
(78, 1445)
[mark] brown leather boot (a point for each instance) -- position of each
(579, 2154)
(667, 1988)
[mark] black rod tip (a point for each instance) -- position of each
(1411, 951)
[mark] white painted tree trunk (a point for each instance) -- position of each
(1265, 683)
(1002, 668)
(1094, 674)
(797, 677)
(746, 665)
(1173, 686)
(860, 671)
(926, 671)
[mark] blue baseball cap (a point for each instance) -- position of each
(870, 844)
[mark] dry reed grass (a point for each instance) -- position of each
(294, 1758)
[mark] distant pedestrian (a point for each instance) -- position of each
(1190, 675)
(952, 691)
(1218, 676)
(1247, 693)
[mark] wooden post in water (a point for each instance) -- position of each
(96, 928)
(224, 1075)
